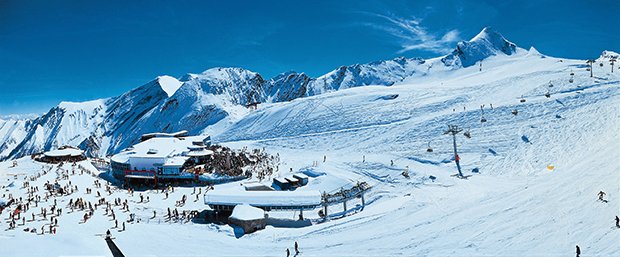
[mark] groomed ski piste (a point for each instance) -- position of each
(535, 192)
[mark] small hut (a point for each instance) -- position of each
(249, 218)
(303, 178)
(282, 183)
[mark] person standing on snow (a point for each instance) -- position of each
(577, 251)
(617, 222)
(288, 253)
(296, 248)
(600, 195)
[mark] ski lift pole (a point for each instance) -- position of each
(456, 155)
(453, 129)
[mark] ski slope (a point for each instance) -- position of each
(514, 206)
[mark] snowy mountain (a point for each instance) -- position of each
(543, 142)
(487, 43)
(218, 95)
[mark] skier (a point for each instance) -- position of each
(600, 195)
(578, 251)
(288, 253)
(108, 234)
(617, 222)
(296, 248)
(123, 226)
(324, 158)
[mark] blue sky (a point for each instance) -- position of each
(52, 51)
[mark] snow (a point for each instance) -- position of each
(169, 84)
(64, 152)
(263, 198)
(200, 153)
(164, 146)
(160, 134)
(514, 206)
(247, 212)
(176, 161)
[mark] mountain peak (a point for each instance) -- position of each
(169, 84)
(487, 43)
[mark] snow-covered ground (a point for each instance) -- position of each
(515, 206)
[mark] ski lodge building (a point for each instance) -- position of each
(62, 154)
(161, 156)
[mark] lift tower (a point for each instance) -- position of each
(454, 129)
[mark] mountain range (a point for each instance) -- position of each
(213, 100)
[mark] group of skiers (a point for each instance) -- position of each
(601, 197)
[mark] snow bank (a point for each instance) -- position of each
(247, 212)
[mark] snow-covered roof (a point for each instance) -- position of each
(165, 147)
(263, 198)
(176, 161)
(161, 134)
(200, 153)
(64, 152)
(195, 147)
(256, 186)
(281, 180)
(292, 179)
(247, 212)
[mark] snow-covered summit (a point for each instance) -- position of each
(486, 44)
(609, 54)
(168, 84)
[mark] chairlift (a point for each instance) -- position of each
(467, 134)
(601, 64)
(515, 112)
(483, 119)
(550, 84)
(572, 73)
(429, 149)
(547, 95)
(522, 99)
(587, 69)
(571, 80)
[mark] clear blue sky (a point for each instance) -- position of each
(52, 51)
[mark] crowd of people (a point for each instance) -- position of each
(46, 202)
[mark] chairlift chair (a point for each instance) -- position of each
(515, 112)
(571, 80)
(429, 149)
(572, 74)
(547, 95)
(467, 134)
